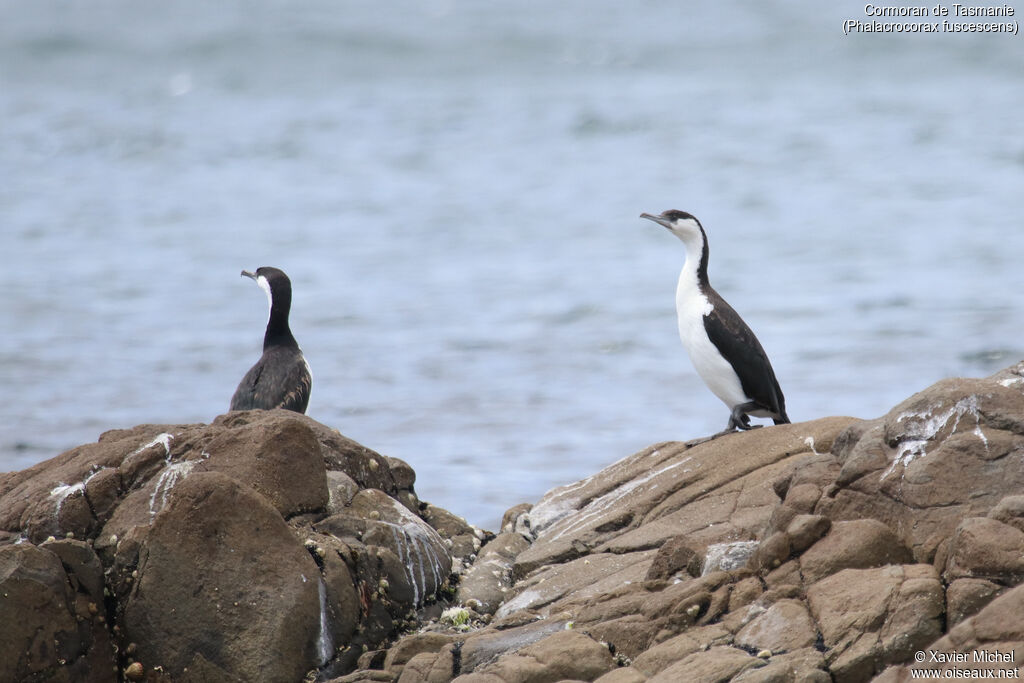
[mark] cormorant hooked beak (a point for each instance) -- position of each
(663, 222)
(246, 273)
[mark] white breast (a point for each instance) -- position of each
(717, 373)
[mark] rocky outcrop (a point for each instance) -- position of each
(260, 547)
(833, 550)
(268, 547)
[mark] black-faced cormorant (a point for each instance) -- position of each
(281, 378)
(724, 351)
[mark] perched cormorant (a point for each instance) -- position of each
(724, 351)
(281, 378)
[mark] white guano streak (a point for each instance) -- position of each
(923, 427)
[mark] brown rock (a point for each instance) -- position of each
(806, 665)
(403, 475)
(341, 488)
(771, 553)
(785, 578)
(872, 617)
(563, 655)
(784, 627)
(803, 497)
(489, 579)
(716, 492)
(1010, 510)
(367, 468)
(407, 648)
(372, 659)
(857, 544)
(717, 664)
(676, 555)
(485, 647)
(580, 580)
(908, 468)
(117, 498)
(278, 455)
(32, 580)
(415, 558)
(45, 633)
(805, 530)
(665, 654)
(446, 524)
(744, 592)
(220, 560)
(996, 628)
(624, 675)
(365, 676)
(966, 597)
(986, 548)
(103, 490)
(82, 566)
(512, 516)
(429, 667)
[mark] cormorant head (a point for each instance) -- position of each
(274, 282)
(683, 225)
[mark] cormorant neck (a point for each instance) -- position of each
(278, 332)
(697, 257)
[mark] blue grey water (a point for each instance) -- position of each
(454, 189)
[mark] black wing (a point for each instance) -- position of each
(737, 343)
(281, 379)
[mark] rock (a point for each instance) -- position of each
(770, 554)
(808, 552)
(676, 555)
(816, 527)
(279, 458)
(872, 617)
(729, 556)
(624, 675)
(489, 579)
(464, 539)
(857, 544)
(1009, 510)
(560, 656)
(805, 530)
(982, 547)
(413, 555)
(402, 474)
(714, 493)
(997, 628)
(717, 664)
(576, 580)
(200, 541)
(510, 521)
(665, 654)
(407, 648)
(218, 560)
(445, 523)
(966, 597)
(365, 676)
(784, 627)
(485, 647)
(908, 468)
(45, 633)
(82, 566)
(341, 488)
(431, 667)
(806, 665)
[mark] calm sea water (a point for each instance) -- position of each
(454, 189)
